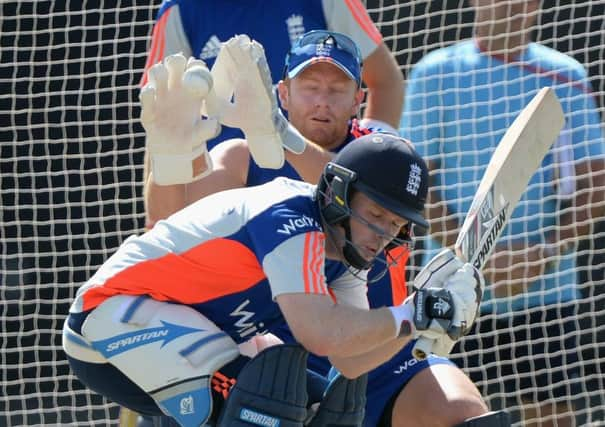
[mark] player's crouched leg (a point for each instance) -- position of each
(273, 388)
(152, 357)
(270, 390)
(432, 392)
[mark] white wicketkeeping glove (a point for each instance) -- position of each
(464, 285)
(243, 97)
(171, 113)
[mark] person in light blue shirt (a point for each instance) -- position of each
(459, 102)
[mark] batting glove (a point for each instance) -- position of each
(176, 132)
(464, 285)
(243, 97)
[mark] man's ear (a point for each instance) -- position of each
(283, 92)
(359, 96)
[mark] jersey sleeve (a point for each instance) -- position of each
(297, 265)
(168, 38)
(350, 17)
(351, 290)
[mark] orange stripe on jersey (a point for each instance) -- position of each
(158, 45)
(320, 283)
(312, 262)
(399, 288)
(203, 273)
(333, 296)
(363, 19)
(306, 254)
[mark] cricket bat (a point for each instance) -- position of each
(516, 158)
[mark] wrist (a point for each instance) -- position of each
(403, 317)
(180, 168)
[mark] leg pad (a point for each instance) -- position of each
(270, 390)
(343, 404)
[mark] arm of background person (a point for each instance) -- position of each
(230, 170)
(311, 162)
(384, 81)
(230, 161)
(588, 150)
(168, 37)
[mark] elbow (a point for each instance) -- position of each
(321, 343)
(320, 346)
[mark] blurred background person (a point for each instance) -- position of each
(197, 28)
(459, 102)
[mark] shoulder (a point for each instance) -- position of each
(444, 58)
(550, 58)
(351, 18)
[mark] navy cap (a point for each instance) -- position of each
(324, 46)
(390, 172)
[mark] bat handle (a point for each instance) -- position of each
(422, 348)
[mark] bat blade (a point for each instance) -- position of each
(516, 158)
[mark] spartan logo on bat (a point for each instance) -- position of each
(492, 224)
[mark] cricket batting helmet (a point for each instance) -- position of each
(385, 168)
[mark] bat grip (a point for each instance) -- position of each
(422, 348)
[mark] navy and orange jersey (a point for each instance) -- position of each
(228, 256)
(391, 288)
(198, 27)
(385, 289)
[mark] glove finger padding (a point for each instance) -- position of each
(175, 65)
(466, 287)
(437, 270)
(158, 78)
(176, 133)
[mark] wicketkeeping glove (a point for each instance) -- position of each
(243, 97)
(176, 132)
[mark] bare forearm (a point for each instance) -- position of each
(356, 331)
(161, 201)
(335, 330)
(385, 83)
(311, 162)
(354, 366)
